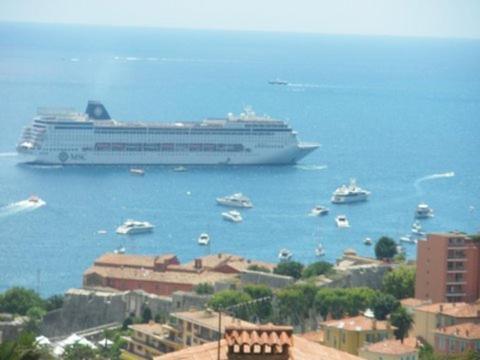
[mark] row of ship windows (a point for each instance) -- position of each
(183, 132)
(166, 147)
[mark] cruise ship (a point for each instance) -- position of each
(63, 136)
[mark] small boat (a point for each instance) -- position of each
(408, 239)
(233, 216)
(203, 239)
(137, 171)
(342, 221)
(278, 82)
(416, 226)
(132, 227)
(423, 211)
(367, 241)
(349, 194)
(400, 249)
(180, 169)
(319, 250)
(102, 232)
(235, 200)
(285, 255)
(120, 250)
(319, 211)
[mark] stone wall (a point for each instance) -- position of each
(268, 279)
(359, 276)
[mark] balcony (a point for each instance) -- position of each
(455, 294)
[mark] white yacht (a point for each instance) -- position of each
(137, 171)
(233, 216)
(285, 255)
(235, 200)
(408, 239)
(423, 211)
(319, 210)
(342, 221)
(319, 250)
(367, 241)
(34, 200)
(346, 194)
(203, 239)
(120, 250)
(131, 227)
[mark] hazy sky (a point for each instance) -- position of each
(442, 18)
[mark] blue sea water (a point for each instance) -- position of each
(395, 113)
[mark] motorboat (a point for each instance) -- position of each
(233, 216)
(278, 82)
(203, 239)
(400, 250)
(180, 169)
(132, 227)
(235, 200)
(408, 239)
(120, 250)
(319, 250)
(34, 199)
(319, 211)
(367, 241)
(342, 221)
(423, 211)
(416, 226)
(137, 171)
(285, 255)
(351, 193)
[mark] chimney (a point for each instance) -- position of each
(441, 307)
(198, 264)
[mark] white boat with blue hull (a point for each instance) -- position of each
(63, 136)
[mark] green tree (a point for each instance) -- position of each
(146, 315)
(259, 268)
(341, 302)
(79, 351)
(227, 298)
(383, 305)
(54, 302)
(35, 315)
(204, 289)
(400, 282)
(289, 268)
(261, 311)
(403, 321)
(317, 268)
(23, 348)
(291, 305)
(18, 300)
(385, 248)
(127, 322)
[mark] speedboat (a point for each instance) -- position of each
(319, 211)
(180, 169)
(235, 200)
(285, 255)
(423, 211)
(367, 241)
(408, 239)
(346, 194)
(203, 239)
(137, 171)
(278, 82)
(319, 250)
(342, 221)
(233, 216)
(120, 250)
(132, 227)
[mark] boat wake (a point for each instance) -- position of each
(432, 177)
(8, 154)
(20, 207)
(311, 167)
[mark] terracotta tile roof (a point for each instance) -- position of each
(209, 319)
(465, 331)
(302, 349)
(315, 336)
(149, 275)
(271, 335)
(139, 261)
(413, 303)
(358, 323)
(216, 260)
(459, 310)
(392, 347)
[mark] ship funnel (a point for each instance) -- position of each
(96, 111)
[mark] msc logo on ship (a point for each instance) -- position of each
(63, 156)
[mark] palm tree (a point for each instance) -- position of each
(403, 321)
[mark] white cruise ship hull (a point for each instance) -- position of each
(64, 137)
(349, 199)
